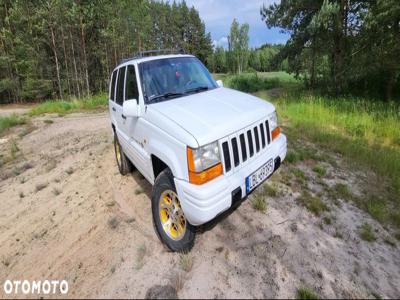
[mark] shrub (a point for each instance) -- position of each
(11, 121)
(306, 293)
(366, 233)
(251, 82)
(313, 204)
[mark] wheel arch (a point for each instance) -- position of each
(158, 165)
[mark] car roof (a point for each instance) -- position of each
(139, 60)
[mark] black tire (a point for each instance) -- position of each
(163, 184)
(124, 165)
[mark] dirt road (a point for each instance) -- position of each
(9, 109)
(66, 213)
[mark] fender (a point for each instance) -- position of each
(171, 155)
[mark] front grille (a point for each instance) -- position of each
(243, 146)
(227, 160)
(250, 141)
(235, 151)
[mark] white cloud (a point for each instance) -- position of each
(223, 41)
(219, 14)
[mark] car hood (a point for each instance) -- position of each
(214, 114)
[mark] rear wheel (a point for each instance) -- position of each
(124, 165)
(168, 217)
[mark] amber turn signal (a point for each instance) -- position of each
(276, 132)
(204, 176)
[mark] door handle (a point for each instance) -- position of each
(114, 109)
(123, 117)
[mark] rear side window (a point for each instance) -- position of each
(112, 85)
(131, 88)
(119, 98)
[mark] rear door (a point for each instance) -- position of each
(119, 100)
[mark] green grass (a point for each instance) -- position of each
(313, 204)
(341, 191)
(270, 190)
(13, 149)
(365, 133)
(257, 81)
(63, 107)
(11, 121)
(319, 170)
(292, 157)
(259, 202)
(60, 107)
(300, 176)
(186, 262)
(367, 233)
(282, 76)
(306, 293)
(375, 206)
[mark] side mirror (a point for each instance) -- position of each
(220, 83)
(130, 108)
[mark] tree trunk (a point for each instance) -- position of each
(65, 60)
(339, 45)
(13, 67)
(74, 61)
(390, 85)
(56, 61)
(312, 80)
(85, 58)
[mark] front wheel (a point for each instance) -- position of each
(169, 220)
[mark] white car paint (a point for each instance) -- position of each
(165, 129)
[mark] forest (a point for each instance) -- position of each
(341, 46)
(56, 48)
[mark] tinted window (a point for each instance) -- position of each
(182, 75)
(112, 85)
(131, 88)
(119, 98)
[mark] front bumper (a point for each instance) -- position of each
(202, 203)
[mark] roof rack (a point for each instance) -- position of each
(148, 53)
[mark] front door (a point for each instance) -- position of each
(137, 154)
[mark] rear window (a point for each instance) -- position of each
(112, 85)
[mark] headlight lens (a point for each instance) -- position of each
(273, 120)
(204, 163)
(206, 157)
(273, 125)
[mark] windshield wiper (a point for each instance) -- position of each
(197, 89)
(164, 96)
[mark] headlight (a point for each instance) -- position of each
(273, 125)
(204, 163)
(273, 121)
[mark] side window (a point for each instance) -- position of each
(112, 85)
(131, 89)
(119, 98)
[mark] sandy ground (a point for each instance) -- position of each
(9, 109)
(66, 213)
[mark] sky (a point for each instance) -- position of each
(219, 14)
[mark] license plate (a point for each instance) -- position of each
(259, 176)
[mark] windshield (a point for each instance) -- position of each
(168, 78)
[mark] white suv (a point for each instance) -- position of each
(203, 147)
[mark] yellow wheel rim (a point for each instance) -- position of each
(118, 153)
(172, 218)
